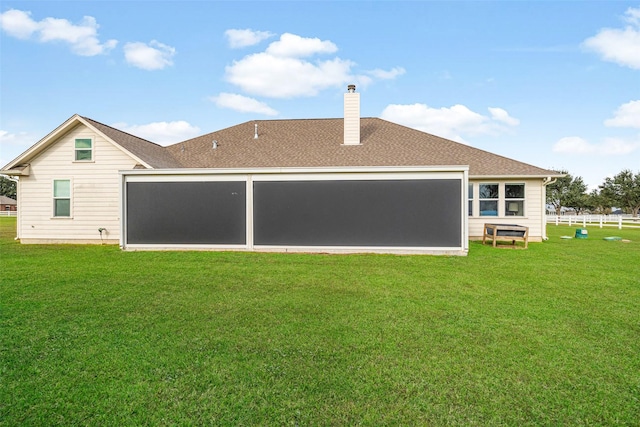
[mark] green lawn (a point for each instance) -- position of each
(91, 335)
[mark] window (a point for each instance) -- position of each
(488, 195)
(470, 199)
(514, 199)
(84, 150)
(62, 197)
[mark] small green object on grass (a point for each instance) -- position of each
(581, 233)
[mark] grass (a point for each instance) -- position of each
(550, 335)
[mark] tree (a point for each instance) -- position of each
(582, 203)
(598, 204)
(568, 192)
(623, 190)
(7, 187)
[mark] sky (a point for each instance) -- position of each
(555, 84)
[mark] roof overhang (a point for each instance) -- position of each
(502, 177)
(21, 170)
(296, 170)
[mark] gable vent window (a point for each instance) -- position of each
(84, 150)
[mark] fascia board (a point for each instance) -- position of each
(294, 170)
(486, 177)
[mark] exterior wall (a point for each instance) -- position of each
(95, 192)
(8, 207)
(534, 209)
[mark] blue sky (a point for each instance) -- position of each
(552, 83)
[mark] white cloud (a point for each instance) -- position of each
(243, 104)
(621, 46)
(387, 75)
(294, 46)
(152, 56)
(618, 146)
(627, 115)
(609, 147)
(21, 138)
(501, 115)
(82, 38)
(451, 123)
(281, 77)
(18, 24)
(12, 144)
(573, 145)
(284, 70)
(633, 16)
(247, 37)
(163, 133)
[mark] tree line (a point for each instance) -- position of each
(622, 191)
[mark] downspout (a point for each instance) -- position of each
(546, 181)
(18, 207)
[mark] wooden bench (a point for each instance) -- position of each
(511, 232)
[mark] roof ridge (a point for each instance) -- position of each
(262, 121)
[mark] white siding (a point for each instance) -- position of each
(95, 187)
(534, 209)
(351, 118)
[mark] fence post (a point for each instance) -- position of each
(557, 219)
(584, 221)
(620, 222)
(600, 221)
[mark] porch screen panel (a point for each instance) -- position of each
(186, 212)
(386, 213)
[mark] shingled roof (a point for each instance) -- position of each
(318, 143)
(4, 200)
(308, 143)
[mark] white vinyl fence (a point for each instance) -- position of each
(8, 213)
(595, 220)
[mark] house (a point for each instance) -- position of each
(7, 204)
(338, 185)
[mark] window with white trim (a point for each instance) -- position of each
(488, 195)
(61, 198)
(470, 200)
(514, 199)
(84, 150)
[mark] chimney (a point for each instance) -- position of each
(351, 116)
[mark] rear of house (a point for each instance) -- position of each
(344, 185)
